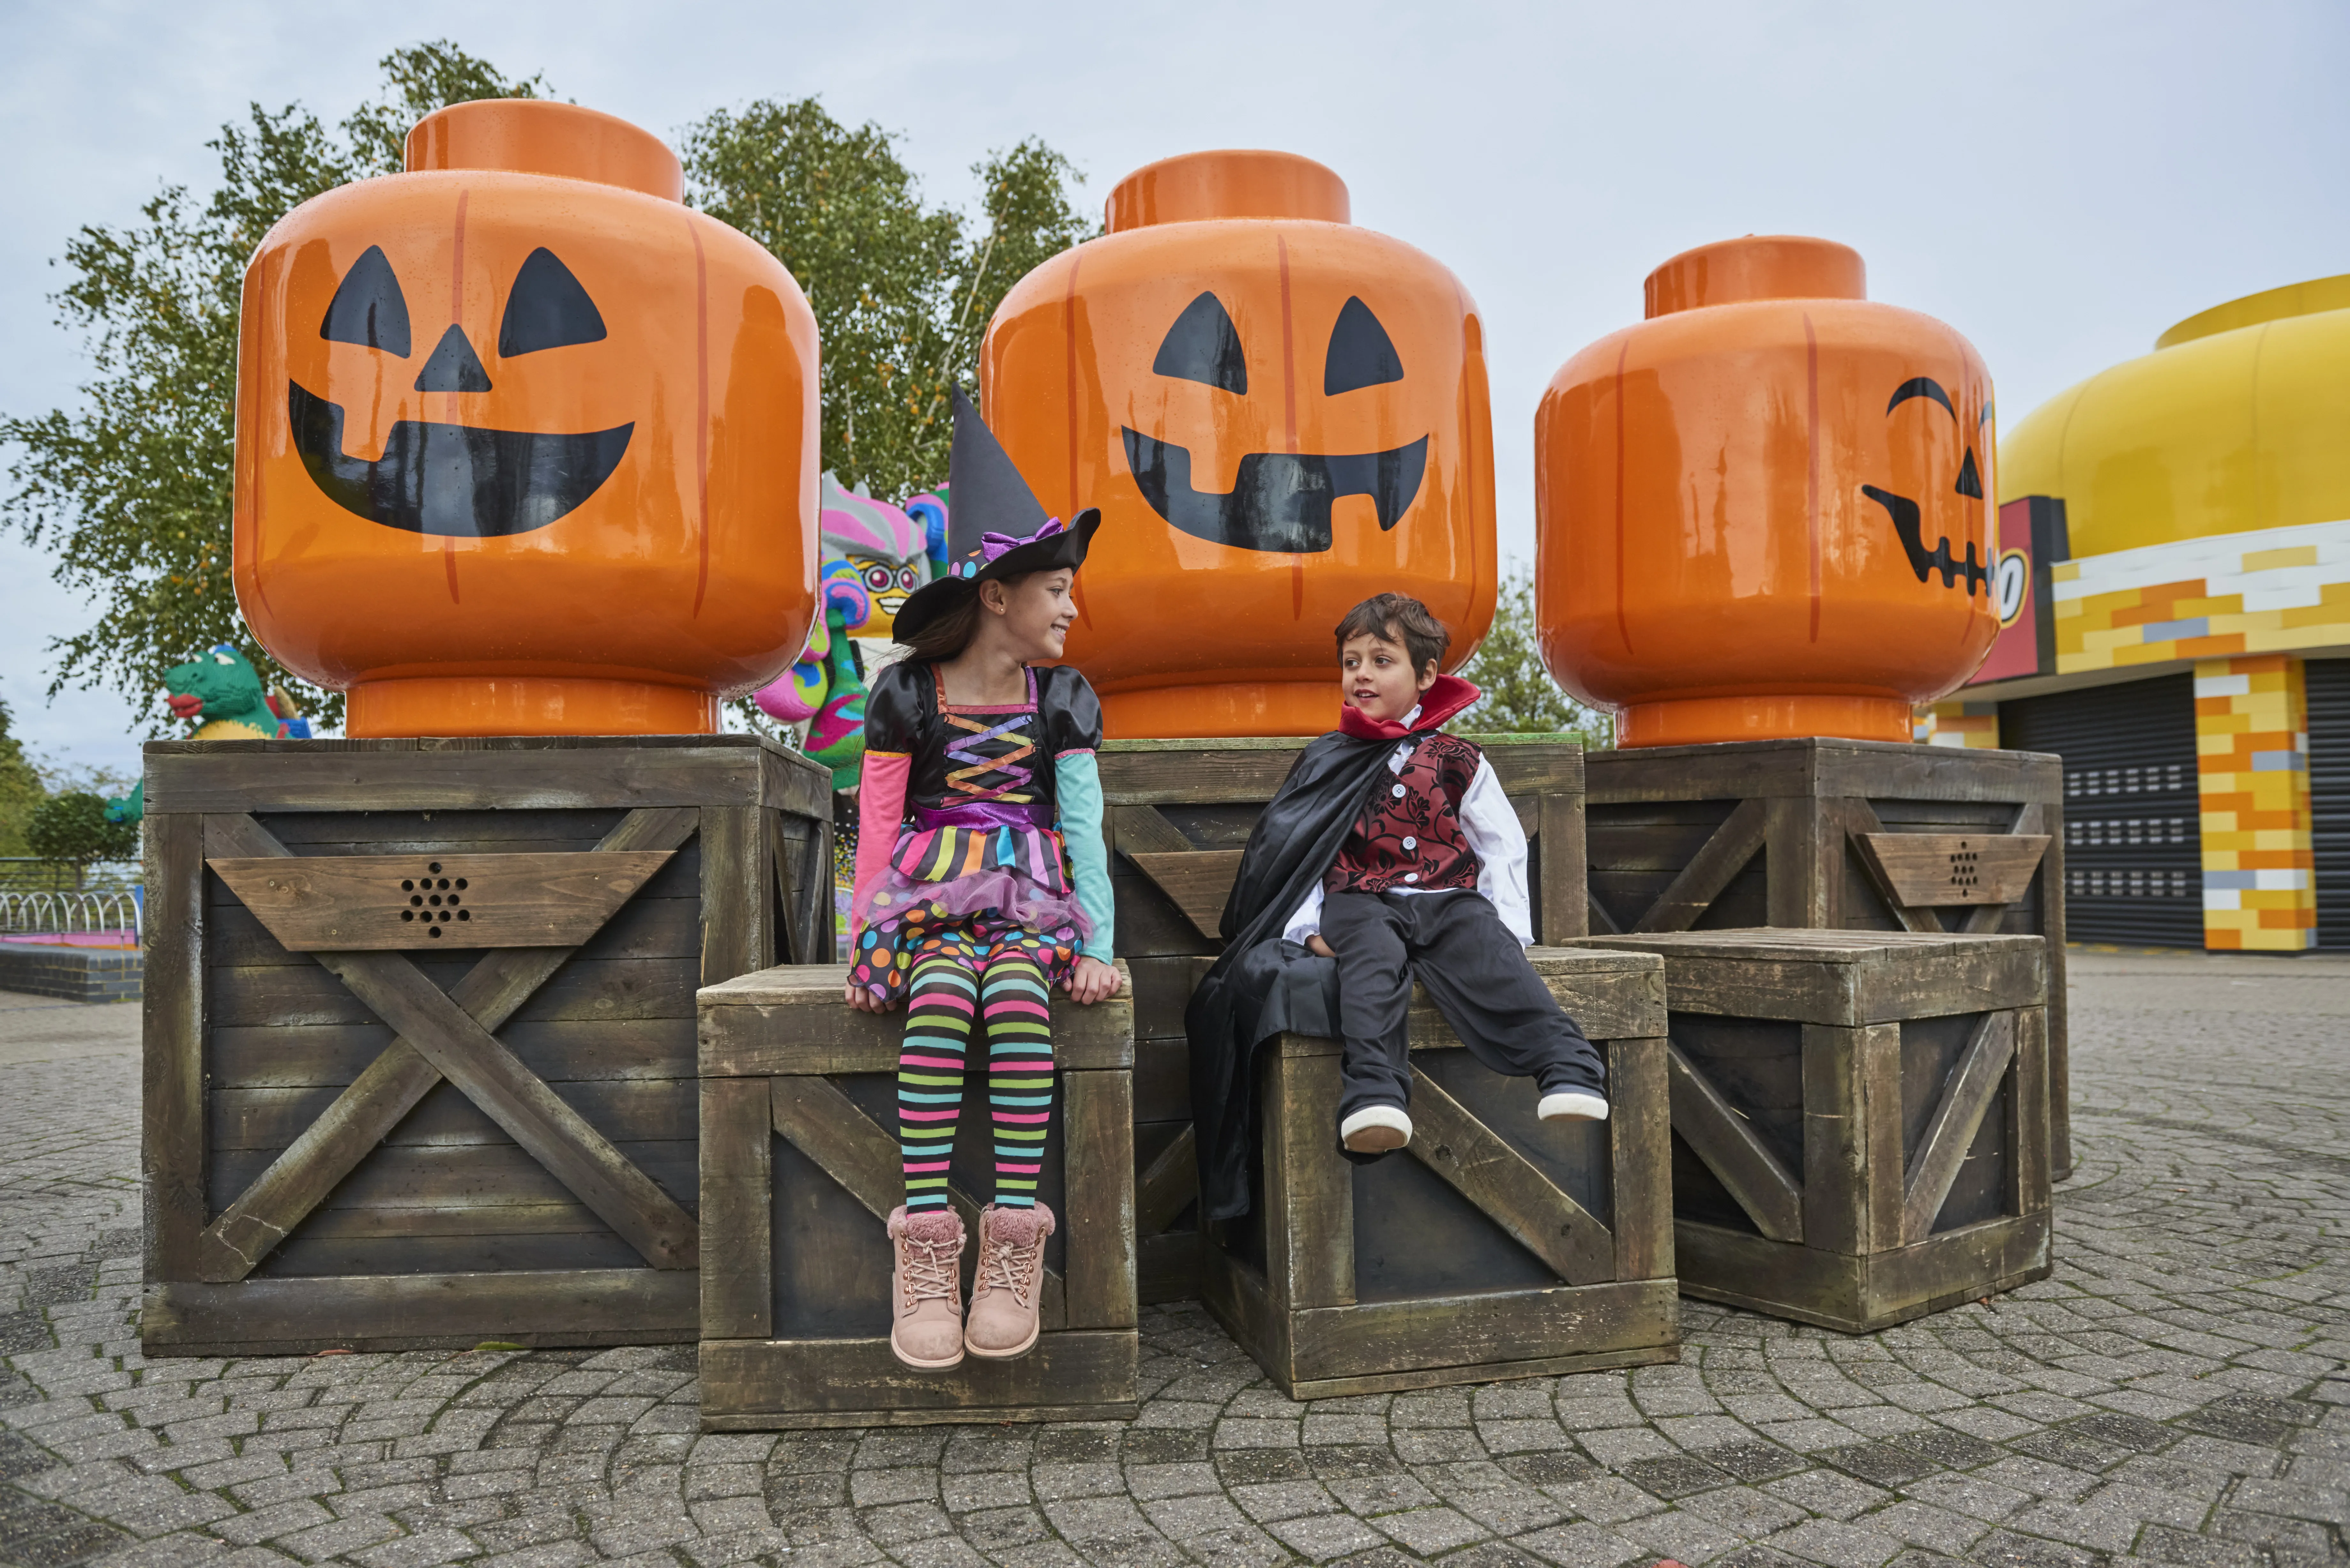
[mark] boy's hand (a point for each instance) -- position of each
(1315, 945)
(1091, 980)
(863, 1000)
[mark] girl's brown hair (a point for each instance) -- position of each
(950, 634)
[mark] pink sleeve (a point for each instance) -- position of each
(881, 807)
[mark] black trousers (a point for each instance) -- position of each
(1454, 943)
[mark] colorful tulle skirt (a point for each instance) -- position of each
(1003, 887)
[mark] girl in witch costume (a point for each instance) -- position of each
(982, 883)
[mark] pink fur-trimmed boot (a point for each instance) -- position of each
(1004, 1320)
(926, 1288)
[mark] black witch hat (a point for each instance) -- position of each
(995, 526)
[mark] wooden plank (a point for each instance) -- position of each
(1199, 882)
(1599, 919)
(420, 1311)
(858, 1382)
(1860, 825)
(1720, 1136)
(626, 776)
(1483, 1330)
(1309, 1191)
(1956, 1266)
(533, 1114)
(791, 1021)
(2051, 900)
(1842, 977)
(1798, 838)
(1185, 772)
(1967, 1098)
(1878, 1076)
(737, 1187)
(405, 902)
(1784, 1279)
(1162, 991)
(359, 1119)
(1143, 830)
(1835, 1191)
(334, 1055)
(1941, 869)
(1166, 1267)
(172, 1059)
(1507, 1188)
(792, 782)
(736, 936)
(1169, 1187)
(1239, 1298)
(1097, 1152)
(1639, 1138)
(2028, 1155)
(1725, 854)
(1563, 899)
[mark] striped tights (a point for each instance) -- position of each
(1010, 1001)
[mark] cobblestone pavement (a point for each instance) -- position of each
(2177, 1394)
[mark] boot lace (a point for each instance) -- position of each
(1002, 1266)
(929, 1270)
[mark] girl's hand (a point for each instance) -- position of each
(863, 1000)
(1091, 980)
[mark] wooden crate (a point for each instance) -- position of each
(1860, 1119)
(1862, 835)
(1494, 1245)
(374, 1123)
(1178, 814)
(800, 1168)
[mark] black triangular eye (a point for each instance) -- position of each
(368, 308)
(1360, 354)
(1202, 346)
(1969, 477)
(547, 309)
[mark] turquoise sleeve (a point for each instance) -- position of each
(1077, 781)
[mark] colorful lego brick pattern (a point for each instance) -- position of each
(1973, 726)
(2272, 590)
(2252, 744)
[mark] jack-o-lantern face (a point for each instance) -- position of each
(1279, 414)
(459, 480)
(525, 445)
(1282, 500)
(1924, 393)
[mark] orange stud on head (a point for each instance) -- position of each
(1280, 415)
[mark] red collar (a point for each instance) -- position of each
(1443, 701)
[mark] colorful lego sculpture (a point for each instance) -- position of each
(525, 445)
(1279, 414)
(1765, 511)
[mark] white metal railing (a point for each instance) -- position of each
(68, 914)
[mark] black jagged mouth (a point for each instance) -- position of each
(455, 481)
(1281, 500)
(1909, 526)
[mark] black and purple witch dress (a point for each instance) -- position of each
(980, 828)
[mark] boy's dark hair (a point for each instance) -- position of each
(1399, 618)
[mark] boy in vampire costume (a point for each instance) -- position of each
(1390, 854)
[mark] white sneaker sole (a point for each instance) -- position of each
(1572, 1107)
(1376, 1129)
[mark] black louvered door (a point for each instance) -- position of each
(2329, 795)
(2133, 838)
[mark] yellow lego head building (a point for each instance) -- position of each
(2174, 589)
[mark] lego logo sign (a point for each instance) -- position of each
(2011, 585)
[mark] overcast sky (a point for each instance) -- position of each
(2060, 182)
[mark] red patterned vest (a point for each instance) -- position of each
(1410, 835)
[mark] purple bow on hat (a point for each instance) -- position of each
(992, 546)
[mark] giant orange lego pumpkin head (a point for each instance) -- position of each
(525, 445)
(1279, 414)
(1763, 512)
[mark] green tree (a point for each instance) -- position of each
(132, 491)
(72, 827)
(902, 292)
(20, 790)
(1521, 698)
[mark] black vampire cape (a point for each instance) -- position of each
(1262, 985)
